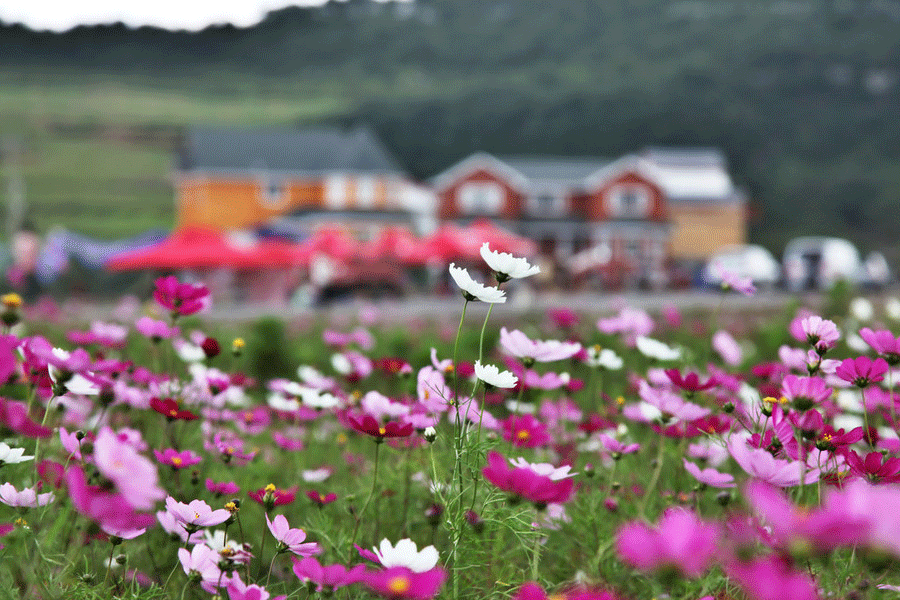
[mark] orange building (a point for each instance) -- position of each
(295, 180)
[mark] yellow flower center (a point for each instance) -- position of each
(176, 462)
(620, 400)
(21, 522)
(12, 300)
(248, 417)
(341, 439)
(398, 585)
(382, 431)
(238, 343)
(270, 488)
(449, 369)
(523, 434)
(173, 413)
(771, 400)
(230, 507)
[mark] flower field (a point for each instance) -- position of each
(614, 455)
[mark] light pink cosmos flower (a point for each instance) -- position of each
(134, 476)
(805, 392)
(331, 577)
(202, 561)
(196, 514)
(820, 333)
(27, 498)
(238, 590)
(731, 280)
(762, 465)
(709, 476)
(520, 345)
(727, 347)
(681, 541)
(155, 330)
(290, 540)
(884, 343)
(171, 526)
(632, 323)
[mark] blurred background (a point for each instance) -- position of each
(300, 154)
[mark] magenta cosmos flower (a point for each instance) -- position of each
(176, 459)
(805, 392)
(400, 582)
(532, 591)
(874, 468)
(884, 343)
(800, 530)
(772, 578)
(540, 483)
(181, 298)
(327, 578)
(368, 425)
(691, 382)
(524, 431)
(862, 371)
(680, 542)
(270, 496)
(106, 508)
(520, 345)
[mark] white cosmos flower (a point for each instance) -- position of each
(507, 264)
(12, 456)
(492, 375)
(604, 358)
(405, 554)
(472, 290)
(543, 469)
(652, 348)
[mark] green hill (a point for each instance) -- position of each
(802, 95)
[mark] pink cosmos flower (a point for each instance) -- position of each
(27, 498)
(176, 459)
(616, 447)
(290, 540)
(709, 476)
(772, 578)
(181, 298)
(14, 416)
(796, 529)
(400, 582)
(520, 345)
(368, 425)
(539, 483)
(630, 322)
(8, 361)
(524, 431)
(732, 281)
(681, 542)
(155, 330)
(196, 514)
(805, 392)
(884, 343)
(238, 590)
(762, 465)
(821, 334)
(202, 561)
(106, 508)
(862, 371)
(224, 488)
(690, 382)
(134, 476)
(109, 335)
(532, 591)
(327, 578)
(360, 336)
(727, 347)
(564, 318)
(321, 499)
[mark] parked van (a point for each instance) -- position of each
(816, 263)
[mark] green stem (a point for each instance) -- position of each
(483, 328)
(654, 479)
(368, 500)
(536, 555)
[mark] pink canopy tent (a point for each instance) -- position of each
(394, 243)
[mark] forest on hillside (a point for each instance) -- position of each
(802, 95)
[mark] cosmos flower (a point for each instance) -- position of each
(133, 475)
(290, 540)
(196, 514)
(25, 498)
(472, 290)
(524, 431)
(506, 265)
(181, 298)
(176, 459)
(820, 333)
(657, 350)
(400, 582)
(406, 554)
(709, 476)
(518, 344)
(772, 578)
(12, 456)
(762, 465)
(539, 483)
(680, 541)
(327, 578)
(491, 375)
(884, 343)
(732, 281)
(862, 371)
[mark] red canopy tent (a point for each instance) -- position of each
(451, 242)
(203, 248)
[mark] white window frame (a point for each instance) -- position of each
(556, 208)
(618, 208)
(480, 198)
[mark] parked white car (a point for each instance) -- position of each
(749, 260)
(816, 263)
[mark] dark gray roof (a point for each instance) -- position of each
(685, 156)
(309, 151)
(544, 168)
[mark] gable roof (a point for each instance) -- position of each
(693, 174)
(557, 170)
(303, 151)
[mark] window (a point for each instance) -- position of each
(547, 203)
(629, 202)
(480, 198)
(274, 192)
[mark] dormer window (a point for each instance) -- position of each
(629, 202)
(480, 197)
(547, 203)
